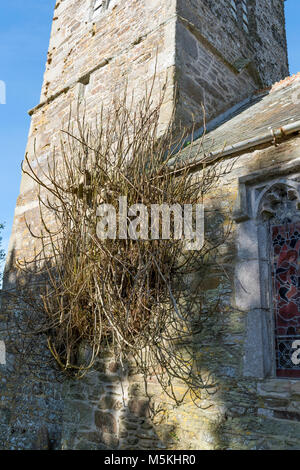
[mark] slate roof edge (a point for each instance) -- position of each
(222, 118)
(269, 137)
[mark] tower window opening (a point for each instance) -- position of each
(98, 6)
(239, 10)
(245, 19)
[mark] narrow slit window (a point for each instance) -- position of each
(98, 6)
(234, 9)
(239, 10)
(245, 18)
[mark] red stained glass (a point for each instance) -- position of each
(286, 295)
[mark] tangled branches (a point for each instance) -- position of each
(136, 297)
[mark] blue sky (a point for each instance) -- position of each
(24, 36)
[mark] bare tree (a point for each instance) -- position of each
(142, 299)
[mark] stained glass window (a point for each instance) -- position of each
(286, 295)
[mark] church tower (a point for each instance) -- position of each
(212, 52)
(225, 50)
(215, 53)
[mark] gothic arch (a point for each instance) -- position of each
(267, 199)
(278, 200)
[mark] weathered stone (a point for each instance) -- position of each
(147, 425)
(111, 441)
(113, 367)
(276, 386)
(93, 437)
(93, 55)
(42, 441)
(5, 415)
(79, 412)
(147, 444)
(146, 434)
(87, 445)
(139, 407)
(265, 412)
(293, 405)
(106, 422)
(109, 378)
(134, 390)
(276, 403)
(110, 403)
(295, 388)
(132, 441)
(236, 410)
(131, 425)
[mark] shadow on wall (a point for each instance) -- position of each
(105, 411)
(31, 406)
(110, 408)
(42, 408)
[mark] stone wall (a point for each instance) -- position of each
(194, 44)
(268, 38)
(30, 389)
(218, 63)
(240, 411)
(124, 37)
(90, 59)
(93, 58)
(110, 409)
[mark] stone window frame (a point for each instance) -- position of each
(253, 280)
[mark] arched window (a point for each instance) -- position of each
(280, 209)
(267, 276)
